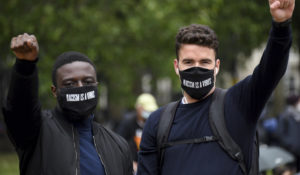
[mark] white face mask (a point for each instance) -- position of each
(145, 114)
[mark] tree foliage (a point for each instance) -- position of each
(127, 39)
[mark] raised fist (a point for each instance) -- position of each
(281, 10)
(25, 47)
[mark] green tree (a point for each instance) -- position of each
(127, 39)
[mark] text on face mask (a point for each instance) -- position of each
(197, 85)
(81, 96)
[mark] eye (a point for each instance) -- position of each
(69, 84)
(187, 62)
(206, 61)
(88, 82)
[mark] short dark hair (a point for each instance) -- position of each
(197, 34)
(66, 58)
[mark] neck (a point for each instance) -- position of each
(85, 123)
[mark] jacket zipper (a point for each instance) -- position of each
(76, 154)
(99, 155)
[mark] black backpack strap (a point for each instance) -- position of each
(255, 156)
(218, 126)
(204, 139)
(164, 126)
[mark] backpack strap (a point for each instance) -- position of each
(190, 141)
(255, 156)
(218, 126)
(164, 126)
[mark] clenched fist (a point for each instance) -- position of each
(281, 10)
(25, 47)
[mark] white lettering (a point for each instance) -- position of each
(188, 84)
(80, 97)
(72, 97)
(91, 95)
(206, 82)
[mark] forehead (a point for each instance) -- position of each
(196, 51)
(77, 69)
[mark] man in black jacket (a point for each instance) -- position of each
(65, 140)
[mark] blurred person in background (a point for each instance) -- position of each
(287, 133)
(131, 127)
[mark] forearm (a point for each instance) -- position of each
(22, 110)
(252, 93)
(274, 61)
(23, 89)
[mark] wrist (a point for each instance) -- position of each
(25, 67)
(283, 23)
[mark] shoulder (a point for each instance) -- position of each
(151, 125)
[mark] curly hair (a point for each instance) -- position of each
(197, 34)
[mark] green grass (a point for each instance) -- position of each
(9, 164)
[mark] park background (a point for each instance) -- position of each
(132, 43)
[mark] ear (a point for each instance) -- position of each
(217, 68)
(176, 68)
(54, 91)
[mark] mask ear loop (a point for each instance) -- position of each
(183, 101)
(178, 69)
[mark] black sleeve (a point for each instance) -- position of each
(22, 107)
(252, 93)
(271, 69)
(245, 100)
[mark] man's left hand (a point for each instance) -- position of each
(281, 10)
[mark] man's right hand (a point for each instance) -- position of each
(25, 47)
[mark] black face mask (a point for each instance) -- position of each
(197, 81)
(77, 103)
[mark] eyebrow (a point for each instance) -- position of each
(187, 59)
(71, 79)
(191, 59)
(206, 59)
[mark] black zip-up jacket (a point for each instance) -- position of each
(47, 143)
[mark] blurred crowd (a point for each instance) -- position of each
(283, 132)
